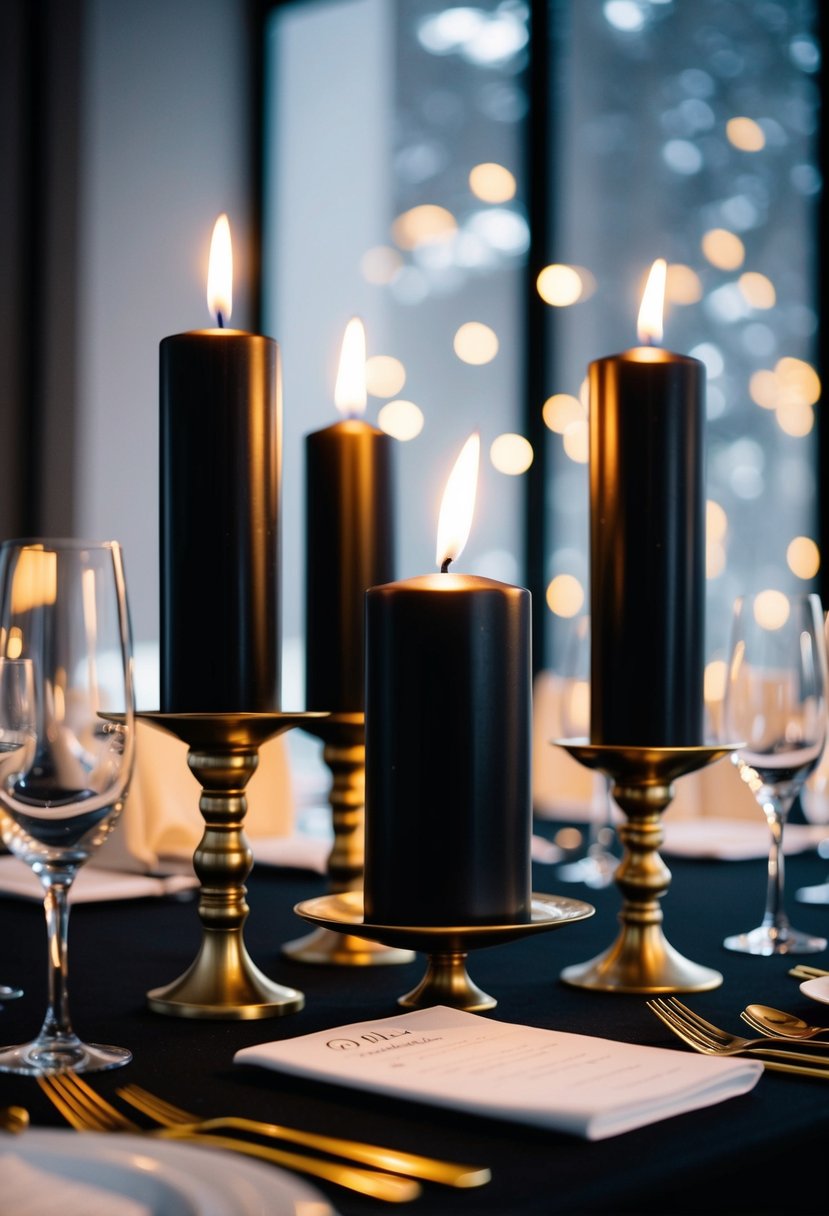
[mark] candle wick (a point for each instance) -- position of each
(444, 565)
(220, 321)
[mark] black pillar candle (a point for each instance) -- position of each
(220, 452)
(447, 752)
(349, 543)
(647, 548)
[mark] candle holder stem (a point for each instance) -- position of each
(447, 982)
(344, 752)
(641, 959)
(223, 981)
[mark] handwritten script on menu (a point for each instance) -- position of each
(568, 1082)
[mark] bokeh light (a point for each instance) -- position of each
(560, 410)
(757, 289)
(682, 285)
(492, 183)
(723, 249)
(423, 225)
(565, 595)
(716, 520)
(401, 419)
(771, 609)
(560, 285)
(803, 557)
(385, 376)
(476, 343)
(511, 454)
(745, 134)
(577, 441)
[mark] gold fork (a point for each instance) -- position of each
(86, 1110)
(396, 1161)
(704, 1037)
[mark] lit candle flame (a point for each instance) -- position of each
(350, 388)
(649, 325)
(220, 272)
(458, 503)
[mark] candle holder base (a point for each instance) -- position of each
(223, 982)
(344, 751)
(446, 981)
(641, 960)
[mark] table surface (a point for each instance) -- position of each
(764, 1152)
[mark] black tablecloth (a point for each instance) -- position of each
(764, 1152)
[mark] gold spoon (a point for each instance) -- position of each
(13, 1119)
(775, 1021)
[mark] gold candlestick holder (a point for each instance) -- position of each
(344, 752)
(641, 959)
(223, 981)
(446, 982)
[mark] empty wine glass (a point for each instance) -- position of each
(775, 702)
(598, 867)
(63, 607)
(17, 735)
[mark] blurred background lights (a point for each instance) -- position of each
(757, 289)
(723, 249)
(682, 285)
(492, 183)
(711, 356)
(385, 376)
(481, 37)
(803, 557)
(559, 285)
(565, 595)
(771, 609)
(682, 156)
(795, 418)
(625, 15)
(764, 389)
(511, 454)
(560, 410)
(716, 675)
(380, 264)
(577, 441)
(716, 520)
(423, 225)
(798, 380)
(475, 343)
(714, 558)
(401, 419)
(745, 134)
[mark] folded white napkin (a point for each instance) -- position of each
(29, 1191)
(566, 1082)
(161, 823)
(734, 839)
(92, 885)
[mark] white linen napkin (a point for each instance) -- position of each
(161, 823)
(589, 1087)
(29, 1191)
(734, 839)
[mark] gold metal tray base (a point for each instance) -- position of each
(446, 981)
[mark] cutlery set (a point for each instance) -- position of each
(781, 1033)
(394, 1176)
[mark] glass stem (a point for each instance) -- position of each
(775, 916)
(56, 1024)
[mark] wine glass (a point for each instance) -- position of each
(598, 867)
(63, 607)
(17, 735)
(775, 701)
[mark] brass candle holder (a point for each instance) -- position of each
(223, 981)
(344, 752)
(446, 981)
(641, 959)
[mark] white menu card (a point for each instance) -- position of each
(568, 1082)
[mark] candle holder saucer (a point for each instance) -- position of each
(344, 752)
(641, 959)
(223, 981)
(446, 981)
